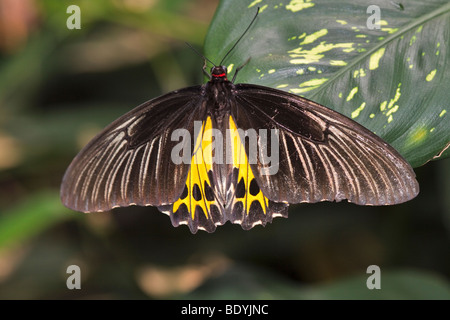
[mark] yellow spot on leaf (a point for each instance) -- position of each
(392, 110)
(309, 85)
(391, 107)
(313, 82)
(263, 8)
(396, 97)
(431, 75)
(352, 93)
(315, 54)
(271, 71)
(297, 5)
(314, 36)
(338, 63)
(302, 90)
(418, 136)
(284, 85)
(442, 113)
(375, 59)
(343, 22)
(359, 73)
(358, 111)
(254, 3)
(389, 30)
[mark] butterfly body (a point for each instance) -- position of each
(187, 153)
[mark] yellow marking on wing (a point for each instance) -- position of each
(201, 163)
(240, 161)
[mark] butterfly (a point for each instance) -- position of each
(201, 155)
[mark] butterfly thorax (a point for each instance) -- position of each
(218, 91)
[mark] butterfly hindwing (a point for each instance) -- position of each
(249, 205)
(323, 155)
(199, 205)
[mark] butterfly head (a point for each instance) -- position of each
(219, 73)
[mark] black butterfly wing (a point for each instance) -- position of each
(323, 155)
(129, 162)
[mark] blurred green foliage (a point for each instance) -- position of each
(59, 87)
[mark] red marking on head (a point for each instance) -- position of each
(222, 75)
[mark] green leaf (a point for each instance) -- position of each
(31, 217)
(393, 80)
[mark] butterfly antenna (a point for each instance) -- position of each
(200, 55)
(243, 34)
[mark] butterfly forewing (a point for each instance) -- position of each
(129, 162)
